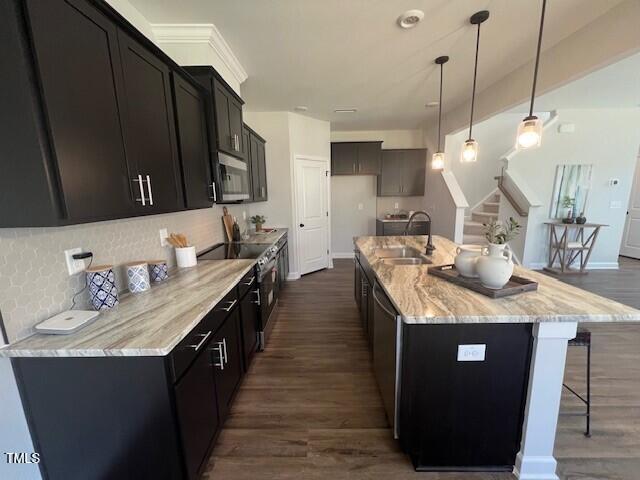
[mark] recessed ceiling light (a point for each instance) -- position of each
(301, 108)
(410, 18)
(345, 110)
(432, 104)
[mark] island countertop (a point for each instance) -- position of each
(145, 324)
(423, 298)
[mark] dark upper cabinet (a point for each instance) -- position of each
(228, 118)
(78, 68)
(402, 172)
(226, 353)
(149, 127)
(355, 158)
(257, 166)
(193, 144)
(246, 142)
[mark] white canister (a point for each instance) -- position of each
(495, 266)
(186, 257)
(138, 277)
(466, 258)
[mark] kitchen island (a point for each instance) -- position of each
(470, 382)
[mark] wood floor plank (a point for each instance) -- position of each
(309, 408)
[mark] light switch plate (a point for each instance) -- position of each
(472, 353)
(615, 204)
(163, 237)
(73, 266)
(360, 206)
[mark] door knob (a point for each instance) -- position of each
(301, 225)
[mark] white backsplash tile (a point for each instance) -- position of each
(34, 283)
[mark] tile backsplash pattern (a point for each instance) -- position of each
(34, 283)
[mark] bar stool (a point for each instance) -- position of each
(583, 339)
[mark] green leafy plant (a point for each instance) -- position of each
(258, 219)
(568, 202)
(499, 233)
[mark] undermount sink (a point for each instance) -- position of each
(401, 256)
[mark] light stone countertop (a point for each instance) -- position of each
(146, 324)
(421, 298)
(271, 237)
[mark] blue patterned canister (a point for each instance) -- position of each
(158, 270)
(138, 277)
(101, 282)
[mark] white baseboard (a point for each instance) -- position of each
(292, 276)
(590, 266)
(342, 255)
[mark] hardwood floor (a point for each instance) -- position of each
(309, 408)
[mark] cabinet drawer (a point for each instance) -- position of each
(187, 350)
(248, 282)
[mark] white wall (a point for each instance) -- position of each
(287, 135)
(607, 139)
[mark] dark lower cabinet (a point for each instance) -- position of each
(249, 319)
(397, 228)
(189, 104)
(226, 351)
(197, 410)
(149, 128)
(457, 415)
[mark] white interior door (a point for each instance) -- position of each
(631, 237)
(313, 214)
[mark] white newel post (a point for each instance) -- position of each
(535, 460)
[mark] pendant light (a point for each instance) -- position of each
(530, 129)
(437, 161)
(470, 147)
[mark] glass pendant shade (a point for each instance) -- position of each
(437, 161)
(529, 133)
(469, 151)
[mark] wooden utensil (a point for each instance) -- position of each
(178, 240)
(227, 220)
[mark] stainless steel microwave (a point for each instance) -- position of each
(234, 178)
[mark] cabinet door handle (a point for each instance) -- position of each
(204, 336)
(257, 292)
(149, 187)
(224, 346)
(142, 198)
(250, 282)
(219, 348)
(231, 305)
(213, 189)
(262, 191)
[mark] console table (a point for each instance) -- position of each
(567, 250)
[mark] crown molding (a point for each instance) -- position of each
(200, 33)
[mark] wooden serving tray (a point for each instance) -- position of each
(514, 286)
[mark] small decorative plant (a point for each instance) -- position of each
(568, 203)
(498, 233)
(258, 221)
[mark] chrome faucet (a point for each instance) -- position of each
(429, 248)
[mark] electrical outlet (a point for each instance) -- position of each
(244, 215)
(360, 206)
(471, 353)
(395, 205)
(74, 266)
(163, 237)
(615, 204)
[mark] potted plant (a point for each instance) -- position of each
(495, 266)
(258, 221)
(568, 203)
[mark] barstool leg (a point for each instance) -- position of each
(588, 432)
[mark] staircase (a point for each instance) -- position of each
(484, 213)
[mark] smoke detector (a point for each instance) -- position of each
(410, 18)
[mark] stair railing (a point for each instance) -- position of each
(502, 186)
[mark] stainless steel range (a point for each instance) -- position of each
(266, 273)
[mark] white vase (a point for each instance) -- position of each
(186, 257)
(495, 266)
(466, 258)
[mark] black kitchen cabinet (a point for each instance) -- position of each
(357, 284)
(88, 128)
(463, 415)
(402, 173)
(385, 229)
(197, 411)
(363, 293)
(258, 166)
(228, 111)
(249, 318)
(149, 127)
(246, 142)
(189, 104)
(355, 158)
(226, 351)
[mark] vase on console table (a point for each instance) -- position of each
(495, 266)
